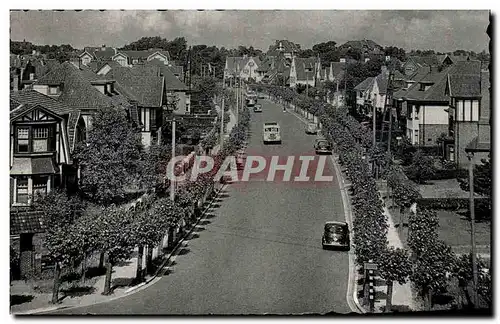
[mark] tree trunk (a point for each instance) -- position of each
(55, 287)
(149, 259)
(101, 260)
(84, 267)
(428, 300)
(138, 273)
(401, 221)
(388, 302)
(107, 282)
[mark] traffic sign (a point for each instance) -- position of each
(370, 266)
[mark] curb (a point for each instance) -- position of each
(352, 297)
(133, 289)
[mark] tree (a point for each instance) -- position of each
(154, 166)
(110, 157)
(483, 184)
(421, 169)
(395, 52)
(86, 237)
(116, 238)
(60, 212)
(431, 269)
(393, 265)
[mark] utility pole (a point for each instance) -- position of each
(307, 84)
(172, 181)
(388, 107)
(222, 124)
(475, 296)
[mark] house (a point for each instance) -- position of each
(480, 146)
(244, 67)
(39, 152)
(79, 88)
(363, 95)
(463, 87)
(130, 58)
(426, 106)
(144, 87)
(283, 47)
(90, 54)
(413, 63)
(274, 70)
(303, 71)
(366, 47)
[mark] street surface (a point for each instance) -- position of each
(260, 250)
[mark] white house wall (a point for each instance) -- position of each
(434, 115)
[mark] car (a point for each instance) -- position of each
(322, 146)
(312, 128)
(336, 236)
(271, 133)
(257, 108)
(261, 96)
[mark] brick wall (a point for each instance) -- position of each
(431, 132)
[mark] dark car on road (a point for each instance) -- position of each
(322, 146)
(336, 236)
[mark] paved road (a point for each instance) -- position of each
(259, 251)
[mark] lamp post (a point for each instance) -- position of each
(475, 297)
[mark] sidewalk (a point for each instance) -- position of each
(402, 295)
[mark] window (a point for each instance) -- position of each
(422, 87)
(32, 76)
(467, 110)
(475, 111)
(416, 136)
(35, 139)
(23, 140)
(53, 90)
(39, 186)
(40, 139)
(22, 190)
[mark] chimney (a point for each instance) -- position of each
(15, 83)
(103, 47)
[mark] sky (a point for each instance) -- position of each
(439, 30)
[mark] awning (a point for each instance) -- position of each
(33, 165)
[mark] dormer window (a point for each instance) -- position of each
(54, 90)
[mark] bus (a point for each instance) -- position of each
(271, 133)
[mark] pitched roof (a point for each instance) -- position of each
(382, 81)
(77, 90)
(435, 93)
(144, 54)
(102, 52)
(301, 64)
(286, 45)
(31, 98)
(26, 222)
(367, 43)
(144, 86)
(365, 84)
(337, 68)
(172, 83)
(464, 79)
(239, 62)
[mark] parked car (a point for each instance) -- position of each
(336, 236)
(262, 96)
(312, 128)
(322, 146)
(257, 108)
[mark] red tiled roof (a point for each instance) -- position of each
(22, 222)
(32, 98)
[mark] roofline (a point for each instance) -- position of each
(32, 108)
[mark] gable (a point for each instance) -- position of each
(119, 55)
(157, 55)
(36, 113)
(86, 54)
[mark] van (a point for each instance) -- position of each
(271, 133)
